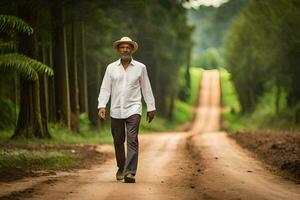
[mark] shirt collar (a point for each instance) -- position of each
(133, 62)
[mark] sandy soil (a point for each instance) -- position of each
(202, 163)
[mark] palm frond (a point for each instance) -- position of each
(9, 22)
(37, 65)
(27, 67)
(12, 63)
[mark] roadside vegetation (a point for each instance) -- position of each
(16, 163)
(264, 116)
(24, 160)
(183, 112)
(264, 67)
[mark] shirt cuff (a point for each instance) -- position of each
(101, 106)
(150, 107)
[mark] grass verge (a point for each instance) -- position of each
(264, 116)
(17, 163)
(61, 135)
(23, 160)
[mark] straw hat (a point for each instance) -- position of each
(128, 41)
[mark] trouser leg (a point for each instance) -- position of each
(132, 126)
(118, 133)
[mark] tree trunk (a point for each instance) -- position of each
(43, 80)
(277, 97)
(93, 90)
(60, 66)
(82, 70)
(16, 96)
(29, 123)
(51, 91)
(74, 81)
(171, 107)
(161, 101)
(188, 66)
(30, 119)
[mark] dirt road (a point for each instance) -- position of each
(200, 164)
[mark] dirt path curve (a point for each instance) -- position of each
(200, 164)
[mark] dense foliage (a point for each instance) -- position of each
(211, 24)
(15, 63)
(75, 39)
(262, 52)
(210, 59)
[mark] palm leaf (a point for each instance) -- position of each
(27, 67)
(8, 23)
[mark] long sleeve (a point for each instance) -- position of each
(147, 91)
(105, 90)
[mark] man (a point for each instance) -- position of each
(124, 80)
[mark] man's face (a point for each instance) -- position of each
(125, 51)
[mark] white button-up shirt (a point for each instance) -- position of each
(125, 87)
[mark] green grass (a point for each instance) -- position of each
(195, 85)
(61, 135)
(230, 104)
(264, 116)
(18, 163)
(37, 160)
(230, 101)
(90, 136)
(232, 118)
(23, 161)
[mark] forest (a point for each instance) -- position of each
(54, 55)
(261, 50)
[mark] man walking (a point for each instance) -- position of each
(124, 81)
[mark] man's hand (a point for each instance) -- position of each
(150, 116)
(101, 113)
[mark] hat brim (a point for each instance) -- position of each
(133, 43)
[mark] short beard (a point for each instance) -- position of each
(126, 57)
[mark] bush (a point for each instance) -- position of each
(84, 122)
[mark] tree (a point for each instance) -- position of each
(210, 59)
(29, 121)
(261, 55)
(60, 65)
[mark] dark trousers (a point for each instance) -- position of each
(130, 128)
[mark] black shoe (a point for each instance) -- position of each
(119, 175)
(129, 178)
